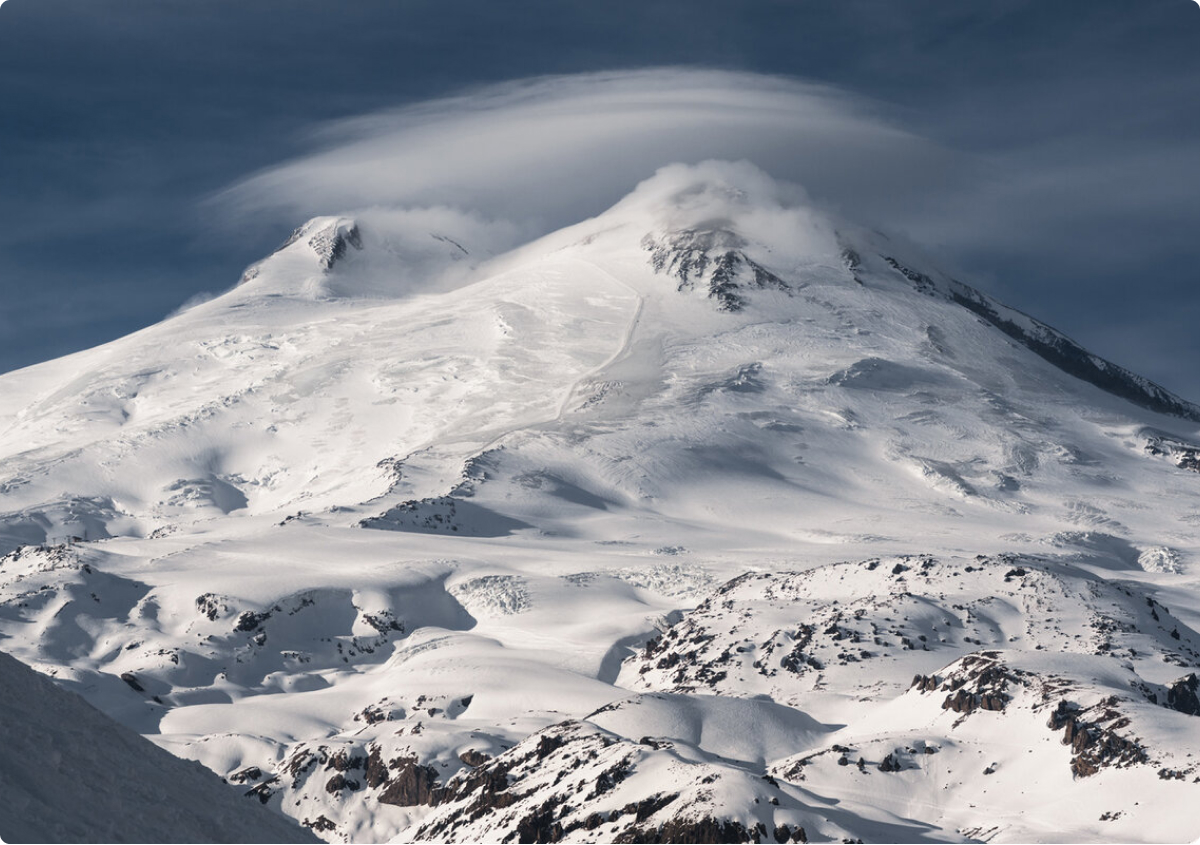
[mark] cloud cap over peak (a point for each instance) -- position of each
(550, 151)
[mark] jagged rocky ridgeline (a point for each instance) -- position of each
(1004, 667)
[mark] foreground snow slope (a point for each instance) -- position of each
(413, 543)
(70, 774)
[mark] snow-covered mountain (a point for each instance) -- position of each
(712, 518)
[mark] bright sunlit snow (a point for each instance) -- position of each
(711, 516)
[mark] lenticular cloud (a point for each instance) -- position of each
(545, 152)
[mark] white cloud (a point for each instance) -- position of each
(548, 152)
(523, 158)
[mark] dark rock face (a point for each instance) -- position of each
(131, 679)
(977, 682)
(643, 810)
(411, 784)
(890, 763)
(786, 833)
(704, 830)
(1181, 695)
(920, 282)
(486, 789)
(713, 258)
(376, 773)
(964, 701)
(474, 758)
(249, 620)
(1091, 733)
(343, 762)
(210, 605)
(372, 715)
(925, 683)
(339, 782)
(264, 790)
(246, 775)
(320, 824)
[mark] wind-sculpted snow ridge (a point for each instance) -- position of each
(707, 519)
(1058, 349)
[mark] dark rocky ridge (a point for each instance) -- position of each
(1055, 347)
(713, 258)
(542, 791)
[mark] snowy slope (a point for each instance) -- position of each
(70, 774)
(396, 530)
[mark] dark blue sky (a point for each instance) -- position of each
(120, 119)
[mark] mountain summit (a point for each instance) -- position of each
(710, 518)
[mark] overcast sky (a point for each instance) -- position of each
(151, 149)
